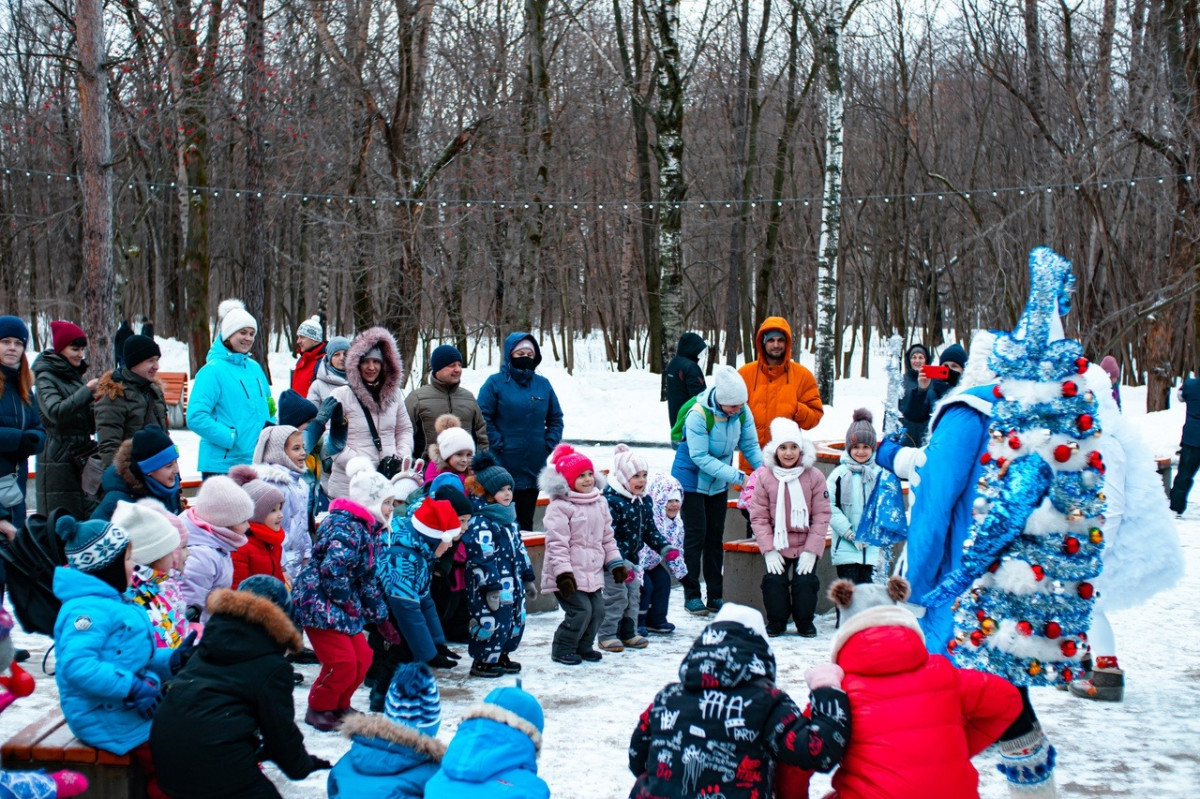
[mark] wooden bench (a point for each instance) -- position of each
(49, 744)
(174, 385)
(535, 545)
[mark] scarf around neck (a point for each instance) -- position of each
(789, 483)
(502, 514)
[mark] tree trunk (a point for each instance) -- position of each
(831, 206)
(253, 239)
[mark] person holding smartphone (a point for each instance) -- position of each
(925, 384)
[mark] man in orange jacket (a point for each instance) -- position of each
(777, 385)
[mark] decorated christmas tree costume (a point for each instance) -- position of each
(1025, 582)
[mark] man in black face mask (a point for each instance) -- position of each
(953, 358)
(927, 391)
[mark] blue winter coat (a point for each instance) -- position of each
(633, 524)
(489, 759)
(406, 559)
(704, 461)
(524, 420)
(941, 515)
(385, 761)
(338, 589)
(227, 408)
(1189, 392)
(16, 419)
(101, 642)
(496, 561)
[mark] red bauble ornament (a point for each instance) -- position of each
(1071, 546)
(979, 614)
(995, 565)
(1068, 648)
(1024, 628)
(1014, 441)
(1086, 590)
(997, 393)
(1081, 365)
(1052, 630)
(1039, 573)
(985, 458)
(1069, 389)
(951, 646)
(1096, 461)
(977, 637)
(1068, 675)
(1084, 421)
(1062, 453)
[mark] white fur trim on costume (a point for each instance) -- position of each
(445, 536)
(878, 616)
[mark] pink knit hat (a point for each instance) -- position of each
(222, 502)
(570, 464)
(626, 464)
(264, 495)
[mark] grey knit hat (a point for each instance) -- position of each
(861, 430)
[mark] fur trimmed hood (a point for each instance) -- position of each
(393, 367)
(373, 725)
(123, 464)
(554, 484)
(505, 717)
(879, 616)
(259, 611)
(808, 454)
(112, 385)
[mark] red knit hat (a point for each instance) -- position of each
(63, 334)
(570, 464)
(436, 518)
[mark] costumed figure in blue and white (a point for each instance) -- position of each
(498, 571)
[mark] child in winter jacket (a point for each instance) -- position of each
(155, 583)
(719, 730)
(494, 752)
(392, 756)
(231, 706)
(449, 587)
(667, 496)
(281, 459)
(109, 670)
(633, 529)
(453, 450)
(580, 548)
(850, 486)
(891, 680)
(498, 568)
(216, 523)
(337, 594)
(789, 514)
(263, 551)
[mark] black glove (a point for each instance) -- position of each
(566, 585)
(319, 764)
(442, 649)
(620, 574)
(183, 653)
(30, 444)
(193, 613)
(440, 661)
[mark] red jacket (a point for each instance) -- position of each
(261, 554)
(306, 369)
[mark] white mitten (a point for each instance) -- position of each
(906, 463)
(774, 561)
(901, 567)
(807, 561)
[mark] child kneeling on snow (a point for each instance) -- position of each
(916, 720)
(723, 725)
(789, 514)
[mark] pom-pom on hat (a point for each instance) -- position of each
(311, 328)
(139, 349)
(523, 710)
(443, 356)
(853, 599)
(368, 487)
(437, 519)
(14, 327)
(268, 587)
(570, 464)
(451, 437)
(490, 474)
(728, 386)
(151, 535)
(264, 495)
(222, 502)
(232, 316)
(413, 699)
(295, 410)
(152, 449)
(861, 430)
(748, 617)
(272, 446)
(90, 546)
(627, 463)
(64, 334)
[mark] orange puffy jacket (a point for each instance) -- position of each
(788, 390)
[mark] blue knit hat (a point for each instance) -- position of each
(13, 327)
(295, 410)
(335, 345)
(268, 587)
(90, 546)
(413, 699)
(443, 356)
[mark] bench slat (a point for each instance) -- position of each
(107, 758)
(52, 747)
(20, 746)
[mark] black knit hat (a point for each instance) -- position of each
(153, 449)
(268, 587)
(489, 474)
(455, 496)
(295, 410)
(138, 349)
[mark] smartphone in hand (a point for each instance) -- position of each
(935, 372)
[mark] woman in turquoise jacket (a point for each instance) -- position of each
(230, 400)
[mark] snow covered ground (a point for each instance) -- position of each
(1147, 746)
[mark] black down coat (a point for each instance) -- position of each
(685, 378)
(65, 404)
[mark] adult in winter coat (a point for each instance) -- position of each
(310, 343)
(524, 420)
(230, 400)
(64, 401)
(920, 397)
(230, 708)
(330, 372)
(1189, 446)
(777, 385)
(124, 331)
(720, 728)
(373, 376)
(444, 394)
(914, 407)
(129, 398)
(717, 424)
(915, 720)
(145, 466)
(685, 378)
(494, 752)
(21, 434)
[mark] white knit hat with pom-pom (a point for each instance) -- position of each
(451, 437)
(368, 487)
(232, 316)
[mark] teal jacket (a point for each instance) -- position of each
(493, 756)
(228, 407)
(704, 460)
(850, 486)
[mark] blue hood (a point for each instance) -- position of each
(483, 748)
(72, 584)
(522, 376)
(380, 757)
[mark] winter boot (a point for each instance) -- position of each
(1028, 763)
(482, 668)
(1085, 672)
(1105, 683)
(509, 666)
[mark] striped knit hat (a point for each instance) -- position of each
(413, 699)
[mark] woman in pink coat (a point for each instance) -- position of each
(789, 514)
(579, 547)
(373, 376)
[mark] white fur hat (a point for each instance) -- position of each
(784, 430)
(232, 316)
(728, 386)
(748, 617)
(368, 487)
